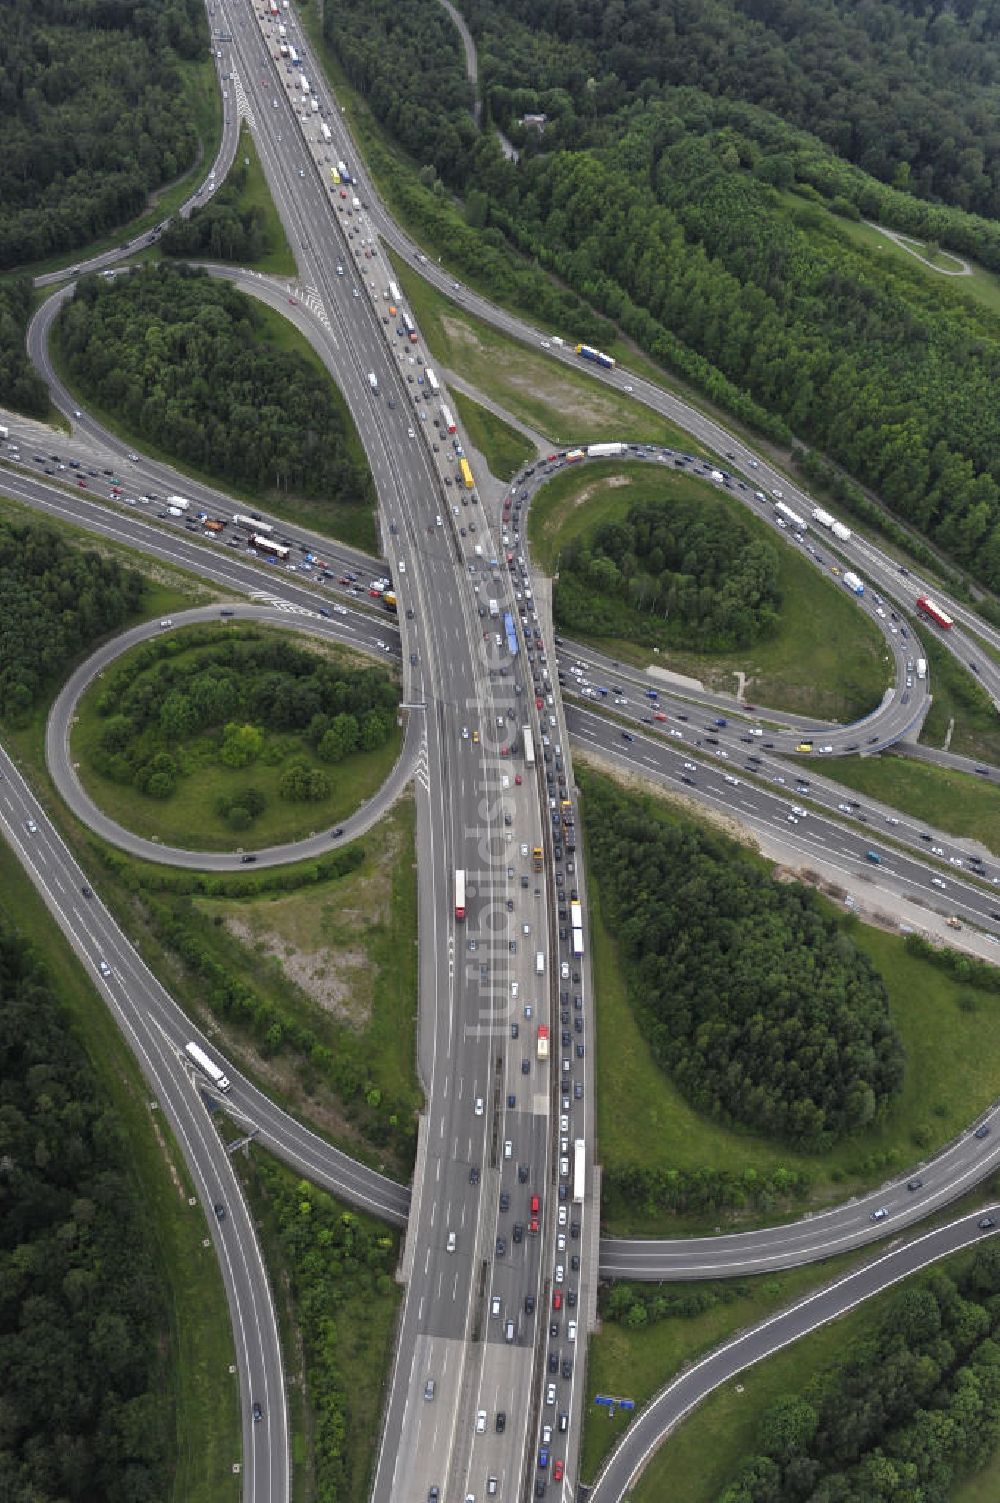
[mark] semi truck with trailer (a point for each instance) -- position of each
(207, 1066)
(542, 1043)
(854, 583)
(448, 420)
(587, 352)
(936, 614)
(605, 451)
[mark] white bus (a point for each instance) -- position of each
(529, 747)
(209, 1067)
(253, 524)
(394, 296)
(459, 893)
(433, 382)
(265, 545)
(579, 1169)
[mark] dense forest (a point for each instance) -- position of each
(91, 115)
(21, 387)
(659, 191)
(56, 599)
(164, 715)
(677, 572)
(187, 362)
(83, 1324)
(759, 1007)
(906, 1413)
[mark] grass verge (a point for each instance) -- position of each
(189, 819)
(960, 703)
(950, 1033)
(203, 1396)
(348, 523)
(253, 193)
(954, 801)
(504, 449)
(566, 406)
(827, 658)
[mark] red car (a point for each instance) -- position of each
(659, 715)
(533, 1226)
(557, 1300)
(557, 1471)
(535, 1205)
(82, 482)
(539, 702)
(518, 779)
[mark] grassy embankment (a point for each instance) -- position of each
(504, 449)
(826, 659)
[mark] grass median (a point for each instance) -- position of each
(504, 449)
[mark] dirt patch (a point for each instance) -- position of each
(333, 979)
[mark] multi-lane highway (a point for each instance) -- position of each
(486, 1323)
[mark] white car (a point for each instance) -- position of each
(733, 782)
(104, 968)
(559, 1273)
(481, 1422)
(465, 733)
(937, 882)
(564, 970)
(562, 1215)
(31, 827)
(479, 1106)
(410, 433)
(571, 1331)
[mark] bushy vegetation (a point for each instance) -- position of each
(698, 1192)
(340, 1268)
(661, 204)
(760, 1008)
(82, 1318)
(165, 713)
(908, 1411)
(56, 599)
(186, 362)
(684, 573)
(91, 116)
(222, 229)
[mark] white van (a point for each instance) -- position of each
(539, 962)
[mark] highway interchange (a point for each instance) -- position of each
(461, 678)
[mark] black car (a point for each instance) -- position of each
(987, 1224)
(87, 892)
(914, 1184)
(258, 1413)
(501, 1421)
(335, 834)
(553, 1362)
(474, 1175)
(504, 1201)
(627, 736)
(983, 1131)
(501, 1246)
(248, 858)
(529, 1304)
(220, 1210)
